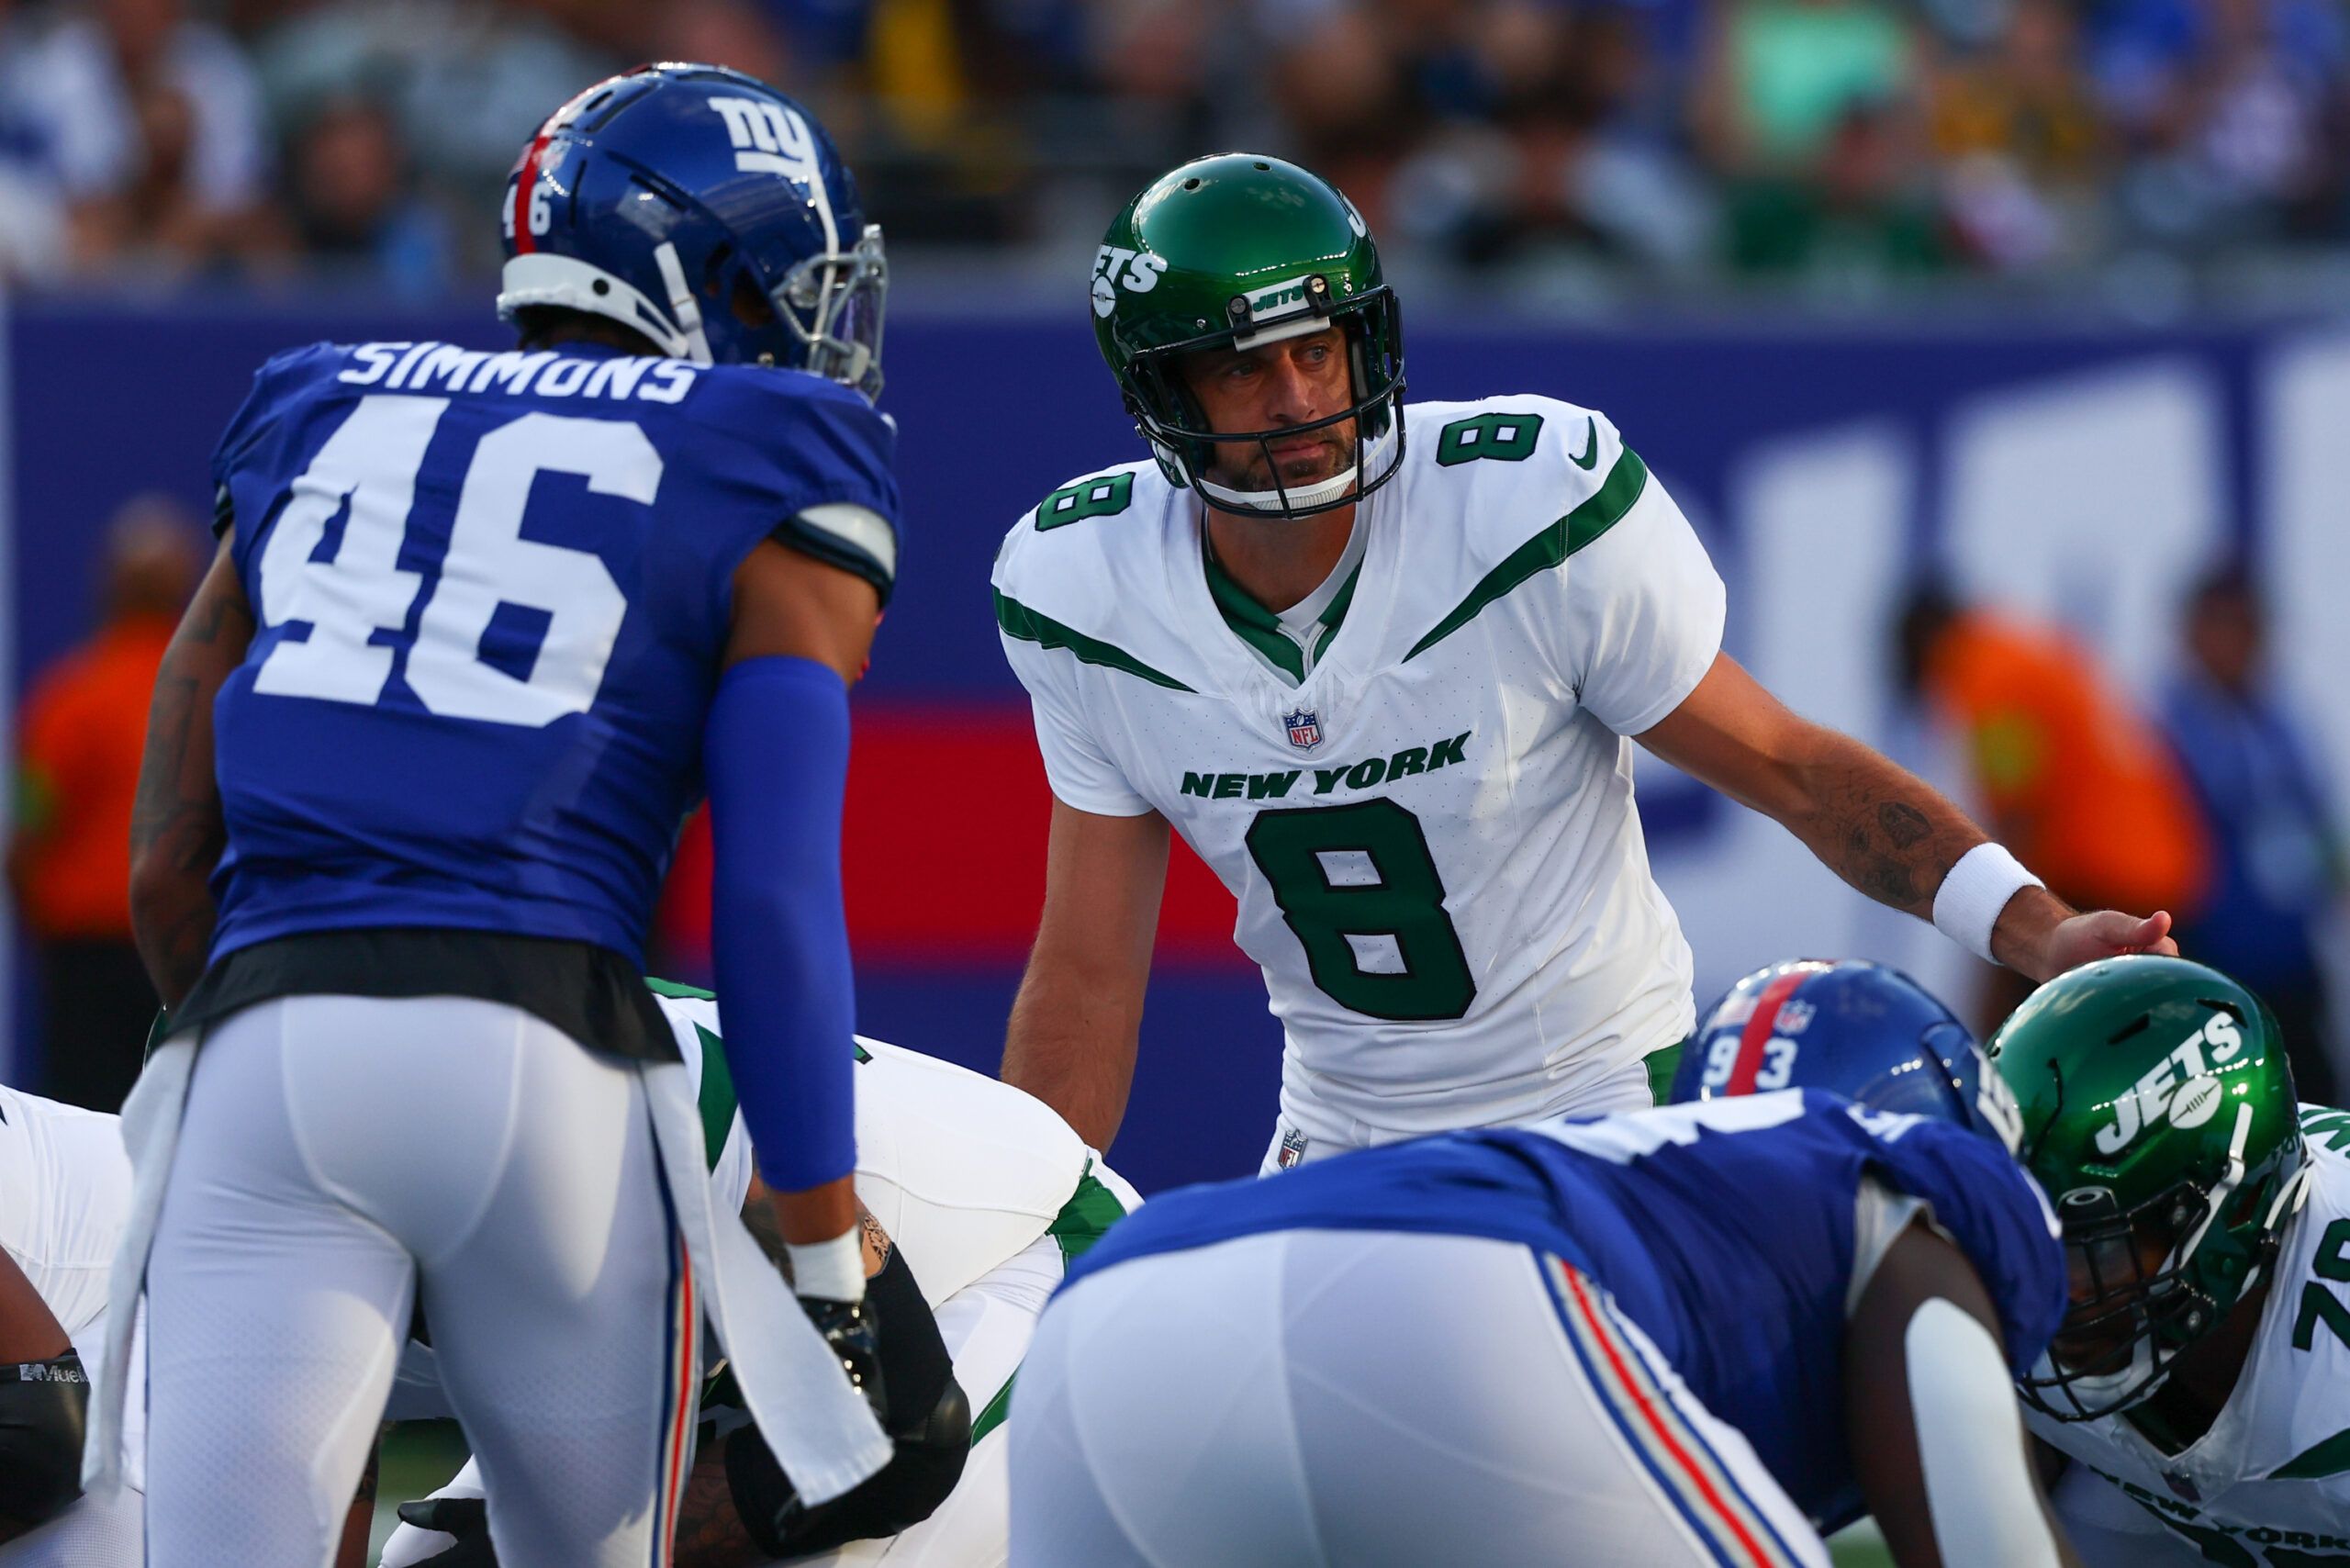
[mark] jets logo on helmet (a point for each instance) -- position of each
(2156, 1105)
(708, 213)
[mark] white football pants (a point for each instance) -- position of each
(338, 1156)
(1362, 1399)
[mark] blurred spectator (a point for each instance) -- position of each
(152, 127)
(468, 81)
(2082, 788)
(2017, 130)
(2278, 868)
(353, 206)
(84, 723)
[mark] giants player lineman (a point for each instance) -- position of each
(480, 627)
(1388, 694)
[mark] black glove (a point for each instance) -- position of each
(467, 1518)
(853, 1331)
(927, 1417)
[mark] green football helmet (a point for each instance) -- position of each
(1236, 252)
(2159, 1114)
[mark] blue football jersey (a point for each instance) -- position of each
(1725, 1230)
(491, 592)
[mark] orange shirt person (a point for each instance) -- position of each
(2076, 782)
(80, 735)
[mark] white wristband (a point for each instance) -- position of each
(1967, 904)
(830, 1271)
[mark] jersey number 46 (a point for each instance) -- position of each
(362, 588)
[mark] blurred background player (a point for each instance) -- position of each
(2069, 770)
(1388, 690)
(980, 1200)
(2277, 865)
(1702, 1333)
(2198, 1391)
(78, 746)
(658, 538)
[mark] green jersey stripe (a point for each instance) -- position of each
(2331, 1457)
(1090, 1211)
(1602, 511)
(1018, 620)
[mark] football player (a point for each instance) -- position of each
(2200, 1388)
(1388, 691)
(1696, 1334)
(64, 1187)
(978, 1191)
(480, 628)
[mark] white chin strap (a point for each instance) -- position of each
(1277, 502)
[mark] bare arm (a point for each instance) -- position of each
(1924, 1431)
(790, 605)
(1880, 827)
(176, 833)
(1078, 1017)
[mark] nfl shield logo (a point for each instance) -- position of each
(1305, 728)
(1292, 1150)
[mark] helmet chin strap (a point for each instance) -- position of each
(1276, 503)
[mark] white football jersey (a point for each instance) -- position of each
(2268, 1487)
(1430, 834)
(961, 1170)
(64, 1194)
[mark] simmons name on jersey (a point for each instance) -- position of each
(1418, 782)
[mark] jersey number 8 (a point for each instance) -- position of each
(370, 462)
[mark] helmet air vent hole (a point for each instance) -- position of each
(1193, 182)
(2135, 1026)
(602, 286)
(1261, 164)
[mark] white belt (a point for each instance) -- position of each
(820, 1430)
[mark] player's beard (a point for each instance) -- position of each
(1250, 466)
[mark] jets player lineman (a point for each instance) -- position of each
(1387, 690)
(479, 628)
(1684, 1335)
(2199, 1389)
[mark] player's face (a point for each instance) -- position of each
(2101, 1279)
(1275, 387)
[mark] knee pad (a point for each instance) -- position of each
(929, 1423)
(43, 1407)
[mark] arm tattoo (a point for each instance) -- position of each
(710, 1533)
(1886, 830)
(877, 1240)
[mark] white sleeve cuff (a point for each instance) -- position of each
(1967, 904)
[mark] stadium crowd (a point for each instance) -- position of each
(1860, 142)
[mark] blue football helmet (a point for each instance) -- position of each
(655, 196)
(1858, 1029)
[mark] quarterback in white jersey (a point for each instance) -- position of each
(984, 1192)
(2199, 1390)
(1387, 690)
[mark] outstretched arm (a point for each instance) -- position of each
(1078, 1018)
(1931, 1422)
(1880, 827)
(176, 833)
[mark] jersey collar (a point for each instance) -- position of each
(1288, 643)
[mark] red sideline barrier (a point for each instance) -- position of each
(943, 848)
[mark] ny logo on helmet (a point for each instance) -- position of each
(2180, 1086)
(770, 138)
